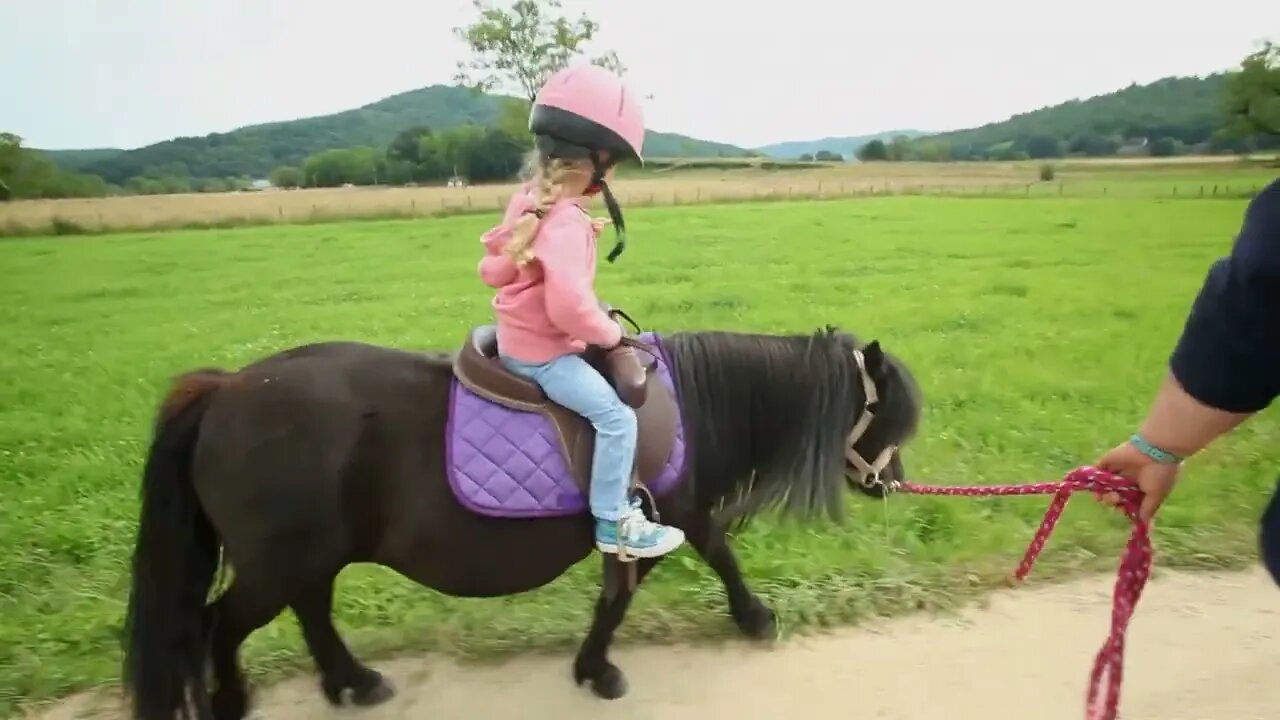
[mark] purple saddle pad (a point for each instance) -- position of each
(507, 463)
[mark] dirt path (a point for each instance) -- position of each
(1201, 647)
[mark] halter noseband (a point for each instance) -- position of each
(870, 471)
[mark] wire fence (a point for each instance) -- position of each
(159, 212)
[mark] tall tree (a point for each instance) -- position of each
(404, 146)
(518, 48)
(1253, 94)
(873, 151)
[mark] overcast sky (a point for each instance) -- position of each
(125, 73)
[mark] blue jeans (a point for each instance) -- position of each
(569, 381)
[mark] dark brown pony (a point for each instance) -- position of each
(330, 454)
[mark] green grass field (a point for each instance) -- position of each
(1038, 328)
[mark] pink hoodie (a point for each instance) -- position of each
(548, 308)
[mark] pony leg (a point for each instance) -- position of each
(339, 669)
(754, 618)
(592, 663)
(243, 608)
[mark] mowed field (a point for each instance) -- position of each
(1038, 328)
(666, 183)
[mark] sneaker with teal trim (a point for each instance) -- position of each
(641, 537)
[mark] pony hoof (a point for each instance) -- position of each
(609, 683)
(758, 622)
(369, 689)
(377, 692)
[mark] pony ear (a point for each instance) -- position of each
(874, 358)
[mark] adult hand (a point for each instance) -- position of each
(1155, 479)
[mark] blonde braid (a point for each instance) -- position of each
(547, 175)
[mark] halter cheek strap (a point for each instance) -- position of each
(870, 470)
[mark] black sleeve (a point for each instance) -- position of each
(1229, 354)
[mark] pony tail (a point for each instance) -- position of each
(546, 176)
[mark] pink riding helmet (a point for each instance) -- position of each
(590, 108)
(582, 110)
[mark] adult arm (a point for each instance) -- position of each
(1226, 365)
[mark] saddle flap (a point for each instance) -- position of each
(477, 367)
(657, 422)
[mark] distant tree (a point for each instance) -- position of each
(287, 176)
(331, 168)
(175, 185)
(930, 150)
(1164, 147)
(873, 151)
(27, 173)
(1252, 97)
(212, 185)
(477, 153)
(1043, 146)
(1093, 145)
(146, 186)
(899, 148)
(404, 146)
(514, 120)
(432, 163)
(1228, 141)
(805, 157)
(828, 156)
(522, 46)
(10, 154)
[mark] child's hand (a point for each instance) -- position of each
(597, 224)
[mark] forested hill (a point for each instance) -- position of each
(1166, 117)
(846, 146)
(1187, 109)
(256, 150)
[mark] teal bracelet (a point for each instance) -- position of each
(1153, 452)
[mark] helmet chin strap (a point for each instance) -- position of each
(615, 213)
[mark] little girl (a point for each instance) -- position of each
(542, 260)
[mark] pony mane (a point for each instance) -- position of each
(768, 418)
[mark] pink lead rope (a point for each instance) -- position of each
(1135, 564)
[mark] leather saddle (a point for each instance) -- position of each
(628, 370)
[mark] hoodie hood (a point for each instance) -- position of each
(497, 236)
